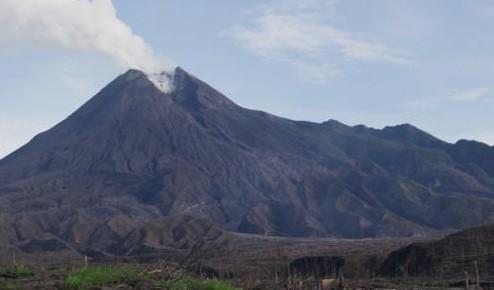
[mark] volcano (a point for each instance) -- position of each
(137, 155)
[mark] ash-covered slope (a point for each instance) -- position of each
(141, 153)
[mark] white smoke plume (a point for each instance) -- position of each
(80, 25)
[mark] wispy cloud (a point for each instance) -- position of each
(472, 94)
(424, 104)
(300, 35)
(314, 72)
(432, 103)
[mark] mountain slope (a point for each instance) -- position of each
(138, 152)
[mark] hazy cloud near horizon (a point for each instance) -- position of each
(80, 25)
(459, 96)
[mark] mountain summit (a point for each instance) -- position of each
(137, 153)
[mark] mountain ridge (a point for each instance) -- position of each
(137, 151)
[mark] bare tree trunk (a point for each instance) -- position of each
(476, 274)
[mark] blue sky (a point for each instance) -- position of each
(378, 63)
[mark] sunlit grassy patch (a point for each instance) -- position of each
(99, 276)
(197, 284)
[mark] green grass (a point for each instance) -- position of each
(18, 271)
(197, 284)
(99, 276)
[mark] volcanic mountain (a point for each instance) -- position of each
(135, 154)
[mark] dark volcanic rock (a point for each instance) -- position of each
(134, 154)
(470, 250)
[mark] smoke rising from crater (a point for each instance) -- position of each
(79, 25)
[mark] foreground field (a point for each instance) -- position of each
(122, 276)
(133, 276)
